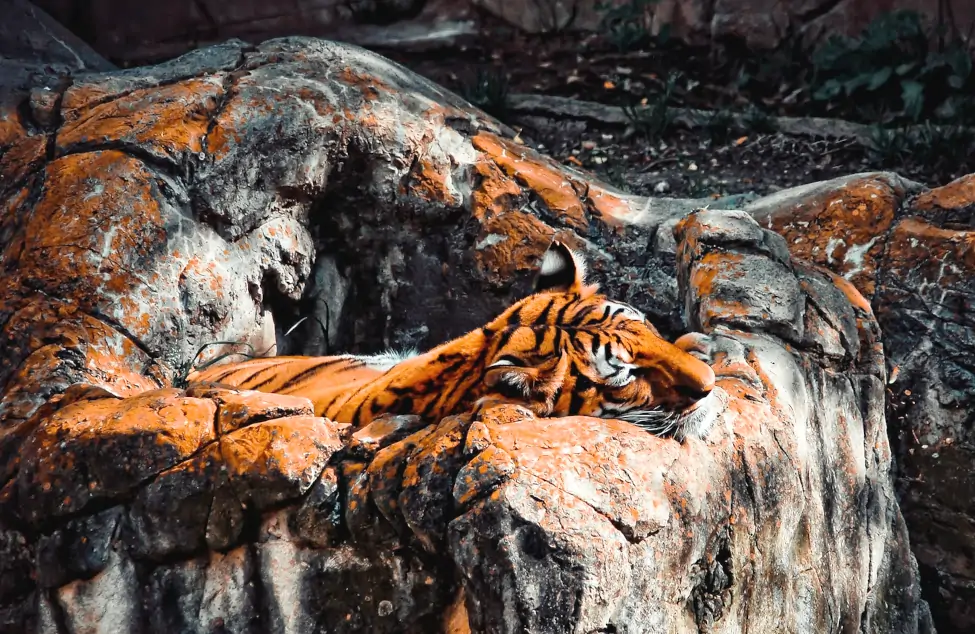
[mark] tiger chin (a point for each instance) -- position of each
(565, 350)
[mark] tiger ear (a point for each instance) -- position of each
(562, 270)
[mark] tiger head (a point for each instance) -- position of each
(568, 350)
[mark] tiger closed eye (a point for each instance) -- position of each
(507, 360)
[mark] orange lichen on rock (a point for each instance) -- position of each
(957, 194)
(83, 239)
(568, 453)
(841, 229)
(928, 259)
(430, 181)
(11, 129)
(240, 408)
(369, 86)
(47, 344)
(279, 459)
(169, 121)
(510, 243)
(608, 205)
(385, 473)
(495, 192)
(94, 449)
(20, 159)
(557, 191)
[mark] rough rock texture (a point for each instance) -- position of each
(760, 23)
(125, 30)
(227, 195)
(909, 250)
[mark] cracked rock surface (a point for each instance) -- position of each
(909, 250)
(225, 196)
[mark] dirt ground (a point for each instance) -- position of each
(700, 162)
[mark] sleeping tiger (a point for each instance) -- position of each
(564, 350)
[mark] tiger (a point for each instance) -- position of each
(564, 350)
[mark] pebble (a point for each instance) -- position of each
(661, 188)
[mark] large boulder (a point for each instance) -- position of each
(908, 249)
(307, 196)
(128, 31)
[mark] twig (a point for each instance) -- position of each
(816, 127)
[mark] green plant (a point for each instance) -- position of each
(935, 146)
(886, 146)
(655, 117)
(890, 62)
(941, 146)
(488, 91)
(629, 26)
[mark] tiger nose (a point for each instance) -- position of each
(695, 380)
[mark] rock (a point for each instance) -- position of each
(122, 443)
(151, 33)
(30, 36)
(905, 248)
(180, 215)
(240, 408)
(278, 460)
(79, 549)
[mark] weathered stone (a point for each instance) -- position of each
(122, 443)
(185, 509)
(924, 292)
(426, 494)
(174, 596)
(743, 291)
(830, 320)
(352, 590)
(318, 521)
(277, 460)
(239, 408)
(382, 432)
(16, 562)
(837, 224)
(80, 549)
(30, 35)
(230, 597)
(109, 598)
(93, 89)
(385, 474)
(907, 251)
(167, 123)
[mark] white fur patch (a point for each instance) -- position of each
(554, 261)
(699, 421)
(615, 371)
(627, 311)
(500, 364)
(517, 380)
(384, 360)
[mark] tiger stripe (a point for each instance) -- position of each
(564, 350)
